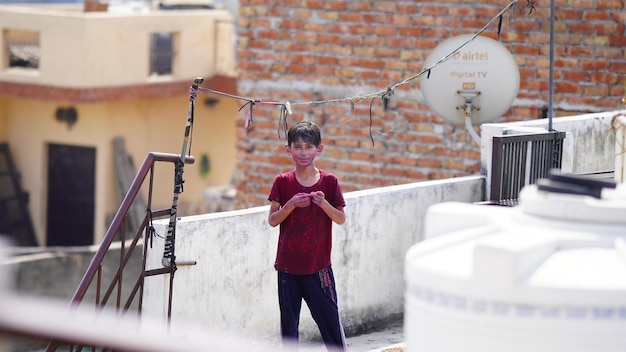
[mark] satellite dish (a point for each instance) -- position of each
(476, 85)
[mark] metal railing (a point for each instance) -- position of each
(118, 230)
(519, 160)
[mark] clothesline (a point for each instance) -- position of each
(385, 94)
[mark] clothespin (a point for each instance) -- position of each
(249, 115)
(386, 96)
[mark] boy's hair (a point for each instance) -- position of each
(307, 130)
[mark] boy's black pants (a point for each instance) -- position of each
(318, 291)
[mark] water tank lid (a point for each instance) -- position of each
(572, 197)
(574, 184)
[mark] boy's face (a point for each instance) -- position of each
(303, 153)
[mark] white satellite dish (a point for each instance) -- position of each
(476, 85)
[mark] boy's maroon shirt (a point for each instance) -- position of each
(305, 240)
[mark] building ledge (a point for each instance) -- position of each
(154, 90)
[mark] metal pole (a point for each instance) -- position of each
(551, 88)
(169, 258)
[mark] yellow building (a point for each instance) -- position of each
(73, 80)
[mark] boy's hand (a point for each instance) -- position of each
(301, 200)
(317, 197)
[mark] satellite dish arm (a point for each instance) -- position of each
(468, 108)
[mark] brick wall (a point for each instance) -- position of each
(312, 50)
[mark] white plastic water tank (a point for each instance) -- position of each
(546, 276)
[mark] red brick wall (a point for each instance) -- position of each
(310, 50)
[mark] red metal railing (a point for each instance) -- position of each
(94, 271)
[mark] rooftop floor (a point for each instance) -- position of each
(389, 339)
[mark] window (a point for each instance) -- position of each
(22, 48)
(162, 53)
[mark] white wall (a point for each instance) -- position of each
(233, 285)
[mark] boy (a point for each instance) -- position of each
(305, 202)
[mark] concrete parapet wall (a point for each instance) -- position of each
(57, 272)
(233, 285)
